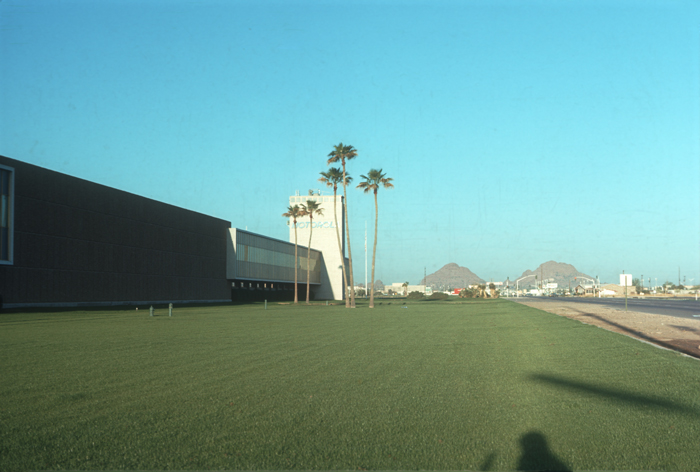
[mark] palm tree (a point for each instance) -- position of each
(295, 212)
(331, 178)
(342, 153)
(405, 289)
(492, 288)
(373, 180)
(312, 207)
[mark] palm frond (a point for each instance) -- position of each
(332, 177)
(293, 212)
(374, 179)
(312, 208)
(341, 153)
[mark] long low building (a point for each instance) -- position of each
(257, 262)
(66, 241)
(398, 287)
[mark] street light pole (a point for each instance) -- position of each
(521, 278)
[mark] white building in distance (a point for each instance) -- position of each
(397, 287)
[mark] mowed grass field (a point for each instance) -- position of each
(473, 385)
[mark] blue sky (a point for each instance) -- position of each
(517, 132)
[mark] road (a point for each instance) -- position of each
(681, 308)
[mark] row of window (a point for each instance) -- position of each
(256, 240)
(245, 253)
(263, 258)
(315, 198)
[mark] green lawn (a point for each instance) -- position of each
(476, 385)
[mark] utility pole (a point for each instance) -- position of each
(625, 281)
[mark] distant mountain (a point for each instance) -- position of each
(453, 276)
(557, 272)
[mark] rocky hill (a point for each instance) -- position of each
(557, 272)
(453, 276)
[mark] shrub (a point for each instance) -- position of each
(438, 296)
(415, 296)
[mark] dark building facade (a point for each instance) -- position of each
(64, 240)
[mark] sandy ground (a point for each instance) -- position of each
(679, 334)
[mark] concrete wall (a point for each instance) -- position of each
(324, 239)
(78, 242)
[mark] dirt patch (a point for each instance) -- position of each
(678, 334)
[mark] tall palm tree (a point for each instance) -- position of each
(331, 178)
(344, 153)
(405, 289)
(373, 180)
(295, 212)
(311, 208)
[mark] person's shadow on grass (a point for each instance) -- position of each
(536, 454)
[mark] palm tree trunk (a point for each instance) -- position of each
(347, 230)
(374, 251)
(308, 260)
(340, 247)
(296, 264)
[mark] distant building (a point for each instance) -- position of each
(397, 287)
(585, 290)
(615, 290)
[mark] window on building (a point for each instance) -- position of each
(6, 213)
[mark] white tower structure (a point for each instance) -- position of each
(324, 239)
